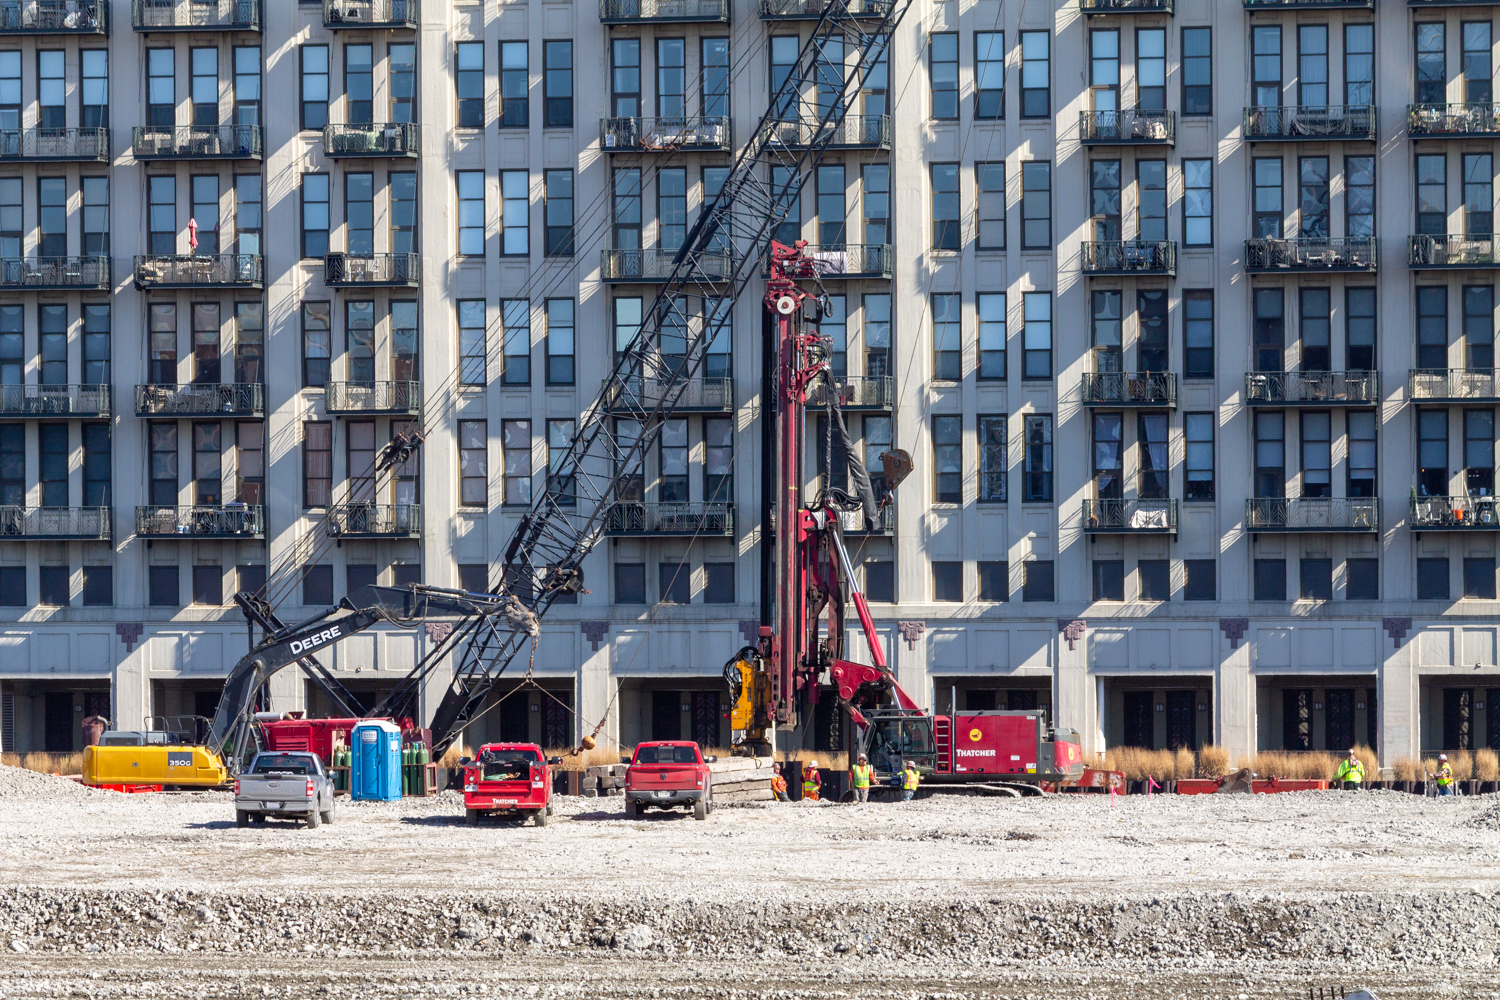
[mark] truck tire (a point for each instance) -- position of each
(632, 810)
(549, 808)
(241, 818)
(541, 816)
(328, 815)
(312, 820)
(471, 817)
(700, 809)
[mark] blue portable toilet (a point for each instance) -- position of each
(375, 770)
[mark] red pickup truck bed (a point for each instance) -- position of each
(508, 779)
(665, 774)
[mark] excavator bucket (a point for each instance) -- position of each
(897, 464)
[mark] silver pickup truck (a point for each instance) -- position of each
(285, 785)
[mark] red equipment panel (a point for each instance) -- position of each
(995, 744)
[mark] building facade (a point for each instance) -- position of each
(1185, 313)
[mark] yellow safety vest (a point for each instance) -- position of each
(810, 784)
(1445, 775)
(1354, 772)
(862, 775)
(909, 780)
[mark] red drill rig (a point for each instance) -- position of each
(776, 684)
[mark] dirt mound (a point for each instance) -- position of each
(17, 783)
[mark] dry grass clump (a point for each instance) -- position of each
(1486, 765)
(1138, 763)
(1314, 765)
(451, 756)
(45, 763)
(826, 761)
(1406, 769)
(1213, 762)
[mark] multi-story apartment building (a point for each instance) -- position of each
(1186, 314)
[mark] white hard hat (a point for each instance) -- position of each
(812, 763)
(1442, 756)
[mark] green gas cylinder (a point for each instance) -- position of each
(406, 769)
(424, 757)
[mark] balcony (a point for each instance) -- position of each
(665, 135)
(1454, 385)
(195, 15)
(1092, 7)
(55, 401)
(1454, 514)
(1452, 121)
(1328, 255)
(391, 140)
(372, 270)
(373, 398)
(1254, 5)
(689, 518)
(1120, 257)
(55, 523)
(1451, 3)
(361, 14)
(225, 399)
(1452, 252)
(1153, 389)
(375, 520)
(231, 520)
(55, 274)
(194, 142)
(662, 11)
(1278, 515)
(839, 261)
(641, 394)
(811, 10)
(1130, 517)
(1321, 123)
(54, 145)
(657, 265)
(1127, 128)
(853, 522)
(871, 393)
(854, 132)
(1354, 388)
(191, 270)
(51, 17)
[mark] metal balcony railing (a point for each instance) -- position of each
(664, 135)
(1129, 257)
(1130, 389)
(1128, 517)
(1290, 514)
(838, 260)
(1440, 121)
(856, 392)
(385, 520)
(1333, 253)
(54, 145)
(853, 522)
(1320, 123)
(1453, 383)
(1455, 514)
(854, 132)
(402, 270)
(390, 139)
(195, 15)
(1118, 128)
(643, 393)
(55, 400)
(192, 270)
(233, 520)
(632, 11)
(1253, 5)
(1453, 252)
(1352, 388)
(361, 14)
(222, 398)
(373, 397)
(194, 142)
(1125, 6)
(54, 17)
(26, 523)
(656, 265)
(689, 518)
(813, 9)
(55, 273)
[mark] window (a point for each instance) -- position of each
(1362, 580)
(161, 214)
(1432, 326)
(515, 442)
(52, 216)
(314, 86)
(1037, 335)
(1270, 579)
(1035, 75)
(1198, 333)
(359, 213)
(630, 583)
(316, 343)
(1197, 203)
(95, 192)
(1432, 579)
(250, 441)
(1265, 73)
(359, 461)
(205, 211)
(247, 214)
(787, 207)
(877, 334)
(627, 205)
(1359, 196)
(834, 327)
(1362, 426)
(1036, 581)
(876, 202)
(468, 77)
(1151, 69)
(514, 74)
(1432, 453)
(162, 586)
(1197, 71)
(1359, 328)
(98, 586)
(1267, 198)
(515, 317)
(1104, 73)
(1432, 195)
(1109, 580)
(1151, 332)
(947, 337)
(359, 342)
(1479, 579)
(1359, 64)
(560, 479)
(989, 75)
(96, 465)
(161, 89)
(1270, 454)
(1198, 465)
(993, 459)
(471, 212)
(625, 80)
(315, 194)
(359, 84)
(994, 581)
(162, 463)
(828, 73)
(473, 463)
(317, 586)
(52, 477)
(206, 361)
(1432, 69)
(1316, 329)
(989, 188)
(317, 463)
(1270, 330)
(1477, 65)
(946, 221)
(558, 193)
(671, 77)
(559, 341)
(93, 93)
(989, 308)
(163, 341)
(1198, 580)
(1036, 205)
(713, 82)
(783, 57)
(515, 220)
(671, 207)
(948, 582)
(672, 454)
(1155, 578)
(1479, 452)
(13, 581)
(718, 459)
(1479, 325)
(1037, 459)
(401, 73)
(1312, 65)
(52, 339)
(247, 85)
(1317, 579)
(877, 433)
(208, 585)
(943, 73)
(947, 454)
(12, 348)
(831, 205)
(1479, 194)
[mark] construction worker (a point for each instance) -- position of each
(1444, 776)
(1351, 771)
(860, 776)
(778, 784)
(910, 778)
(812, 782)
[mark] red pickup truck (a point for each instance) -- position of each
(508, 779)
(668, 773)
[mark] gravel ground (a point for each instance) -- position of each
(109, 895)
